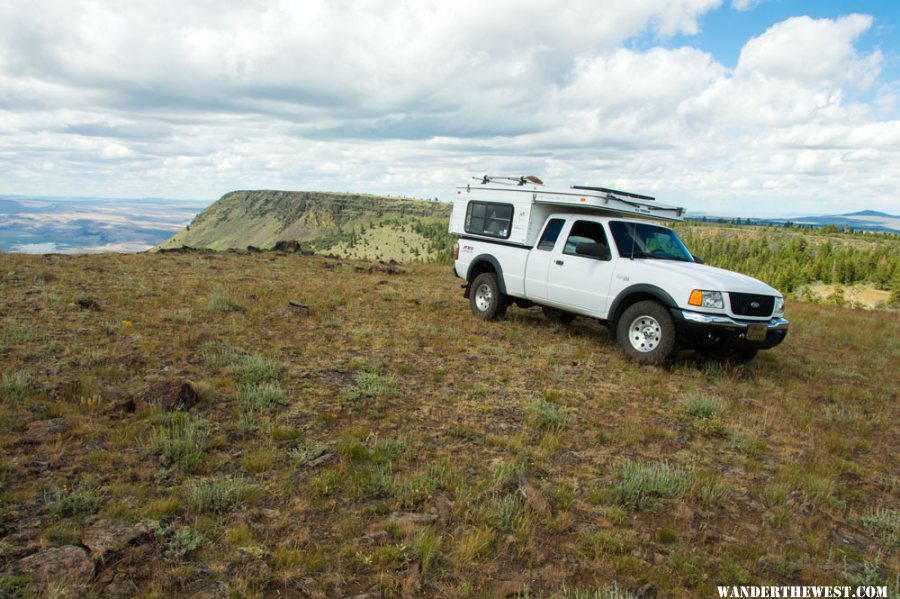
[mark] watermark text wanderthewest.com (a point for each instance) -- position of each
(791, 592)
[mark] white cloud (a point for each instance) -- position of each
(811, 52)
(193, 99)
(745, 5)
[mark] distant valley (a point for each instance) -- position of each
(90, 225)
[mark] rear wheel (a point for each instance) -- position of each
(556, 315)
(485, 298)
(646, 333)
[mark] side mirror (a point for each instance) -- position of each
(594, 250)
(698, 260)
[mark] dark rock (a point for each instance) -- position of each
(534, 497)
(167, 395)
(60, 563)
(323, 459)
(253, 249)
(217, 590)
(86, 303)
(287, 245)
(444, 508)
(256, 569)
(120, 588)
(375, 538)
(105, 536)
(508, 588)
(407, 520)
(412, 582)
(43, 431)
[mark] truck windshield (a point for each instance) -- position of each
(643, 240)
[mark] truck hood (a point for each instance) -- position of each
(692, 275)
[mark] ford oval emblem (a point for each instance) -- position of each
(754, 305)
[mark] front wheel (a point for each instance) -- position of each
(646, 333)
(485, 298)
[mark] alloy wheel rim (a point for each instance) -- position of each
(483, 297)
(644, 334)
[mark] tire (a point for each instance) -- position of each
(556, 315)
(646, 333)
(485, 298)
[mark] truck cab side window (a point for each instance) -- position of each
(584, 231)
(551, 234)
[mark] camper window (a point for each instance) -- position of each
(489, 219)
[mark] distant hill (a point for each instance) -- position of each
(863, 220)
(352, 225)
(870, 213)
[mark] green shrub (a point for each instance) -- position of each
(256, 370)
(181, 440)
(14, 385)
(545, 416)
(220, 302)
(261, 397)
(702, 405)
(884, 523)
(304, 453)
(218, 354)
(218, 495)
(72, 502)
(641, 486)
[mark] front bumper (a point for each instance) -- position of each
(718, 331)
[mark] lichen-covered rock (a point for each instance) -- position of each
(105, 536)
(44, 431)
(68, 563)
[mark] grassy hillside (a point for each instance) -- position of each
(838, 267)
(380, 439)
(321, 221)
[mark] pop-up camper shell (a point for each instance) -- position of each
(513, 210)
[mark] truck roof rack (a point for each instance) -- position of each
(522, 180)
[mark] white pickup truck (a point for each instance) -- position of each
(599, 253)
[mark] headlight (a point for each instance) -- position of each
(779, 306)
(706, 299)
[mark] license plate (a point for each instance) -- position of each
(756, 332)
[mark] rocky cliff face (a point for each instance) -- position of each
(263, 218)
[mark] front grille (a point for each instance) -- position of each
(749, 304)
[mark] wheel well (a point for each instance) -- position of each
(624, 303)
(481, 267)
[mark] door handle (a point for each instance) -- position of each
(559, 262)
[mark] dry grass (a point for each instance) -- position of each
(531, 455)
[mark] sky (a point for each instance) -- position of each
(740, 107)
